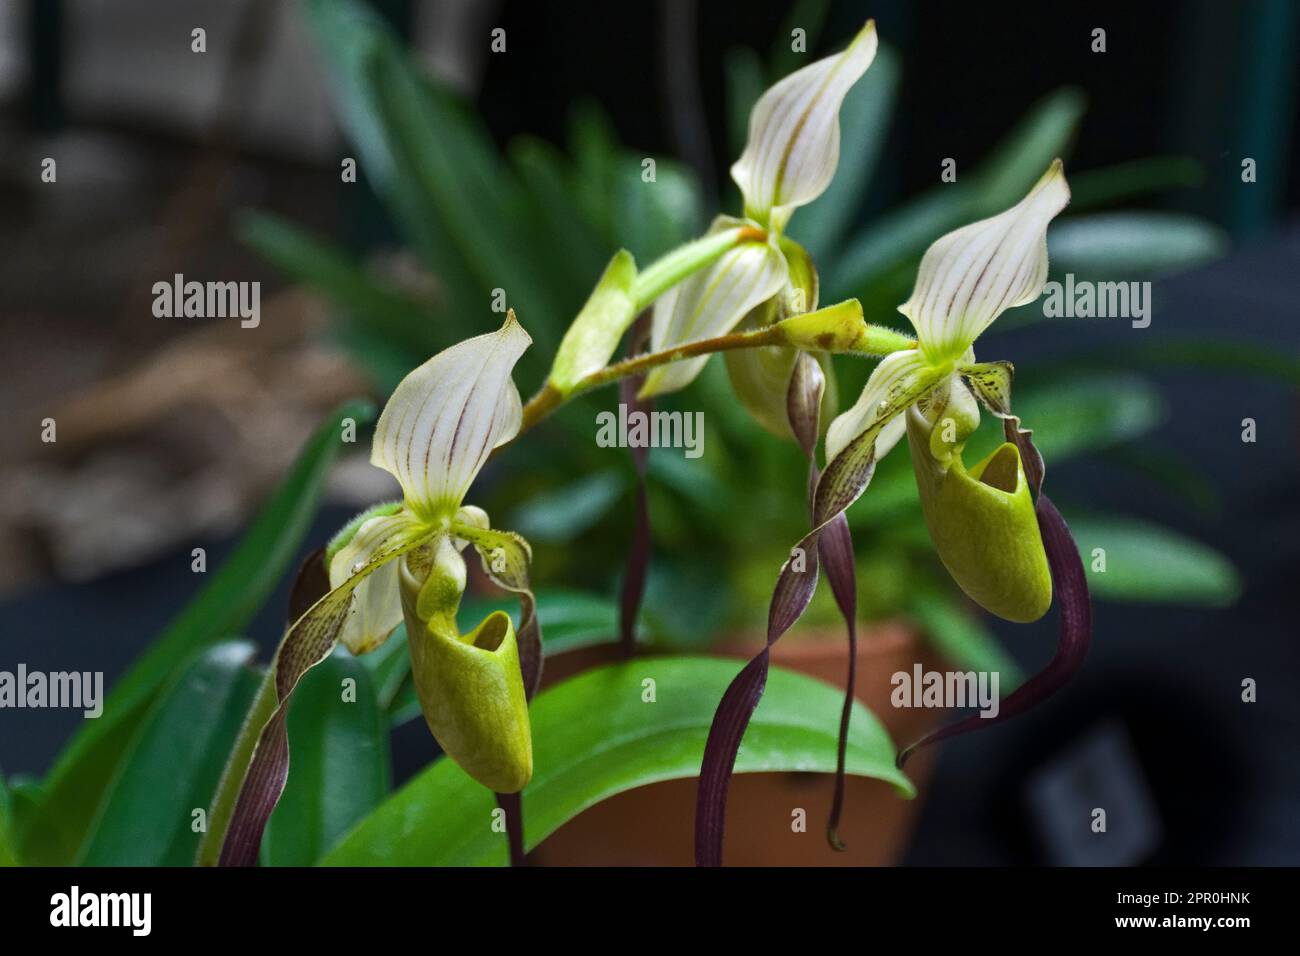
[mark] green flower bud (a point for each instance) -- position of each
(593, 337)
(470, 686)
(982, 520)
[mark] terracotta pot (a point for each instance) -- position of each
(654, 825)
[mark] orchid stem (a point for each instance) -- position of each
(549, 398)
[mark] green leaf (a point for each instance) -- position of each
(1219, 356)
(654, 219)
(806, 15)
(352, 38)
(326, 268)
(174, 763)
(743, 71)
(1097, 188)
(8, 843)
(886, 253)
(34, 838)
(563, 514)
(594, 737)
(1122, 246)
(575, 247)
(339, 771)
(473, 194)
(1042, 135)
(864, 125)
(76, 785)
(1148, 564)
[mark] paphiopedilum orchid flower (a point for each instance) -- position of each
(982, 519)
(789, 160)
(403, 561)
(434, 435)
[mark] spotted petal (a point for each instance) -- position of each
(899, 379)
(376, 607)
(446, 416)
(971, 276)
(794, 134)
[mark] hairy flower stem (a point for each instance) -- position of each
(548, 399)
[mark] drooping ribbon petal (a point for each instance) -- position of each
(835, 548)
(637, 566)
(972, 275)
(794, 134)
(307, 642)
(445, 417)
(794, 590)
(711, 303)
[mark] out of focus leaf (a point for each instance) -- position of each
(806, 15)
(1096, 188)
(595, 152)
(961, 638)
(594, 736)
(864, 124)
(1071, 417)
(563, 514)
(175, 761)
(339, 741)
(77, 784)
(655, 217)
(8, 844)
(1148, 564)
(744, 75)
(1188, 353)
(578, 250)
(473, 193)
(329, 270)
(885, 253)
(34, 838)
(1170, 473)
(1121, 246)
(353, 38)
(1043, 134)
